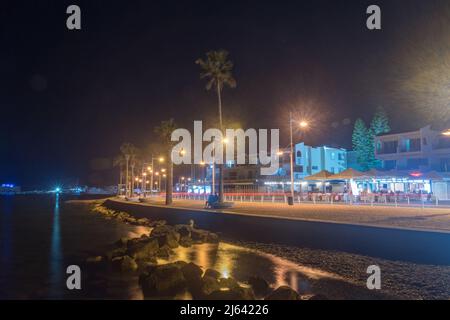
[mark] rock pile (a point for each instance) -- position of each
(167, 280)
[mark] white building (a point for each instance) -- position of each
(424, 149)
(311, 160)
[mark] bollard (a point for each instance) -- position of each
(273, 199)
(299, 199)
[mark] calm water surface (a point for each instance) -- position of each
(41, 235)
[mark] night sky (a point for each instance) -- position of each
(70, 97)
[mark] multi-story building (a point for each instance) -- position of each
(307, 161)
(424, 149)
(311, 160)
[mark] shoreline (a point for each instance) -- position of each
(250, 210)
(399, 276)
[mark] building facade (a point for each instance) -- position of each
(424, 149)
(311, 160)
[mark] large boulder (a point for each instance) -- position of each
(116, 252)
(283, 293)
(143, 221)
(166, 235)
(164, 252)
(209, 285)
(202, 236)
(198, 235)
(238, 293)
(143, 249)
(124, 264)
(183, 230)
(162, 280)
(130, 220)
(122, 216)
(228, 283)
(157, 223)
(212, 238)
(185, 242)
(259, 285)
(192, 272)
(212, 273)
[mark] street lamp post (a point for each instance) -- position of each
(202, 164)
(180, 181)
(303, 124)
(156, 182)
(160, 159)
(291, 202)
(144, 178)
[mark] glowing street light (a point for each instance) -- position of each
(303, 125)
(446, 133)
(151, 170)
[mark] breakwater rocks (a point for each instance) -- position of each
(142, 256)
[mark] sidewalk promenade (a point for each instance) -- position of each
(435, 219)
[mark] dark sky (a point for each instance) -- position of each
(68, 97)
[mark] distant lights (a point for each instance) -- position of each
(7, 185)
(446, 133)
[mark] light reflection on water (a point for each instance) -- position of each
(56, 253)
(42, 236)
(242, 263)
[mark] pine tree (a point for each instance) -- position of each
(361, 143)
(380, 122)
(372, 162)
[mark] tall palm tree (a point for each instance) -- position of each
(120, 161)
(128, 150)
(164, 130)
(134, 162)
(218, 70)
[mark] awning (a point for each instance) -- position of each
(347, 175)
(320, 176)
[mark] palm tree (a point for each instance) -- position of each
(134, 162)
(128, 150)
(164, 130)
(218, 70)
(120, 161)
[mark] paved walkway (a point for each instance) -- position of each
(436, 219)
